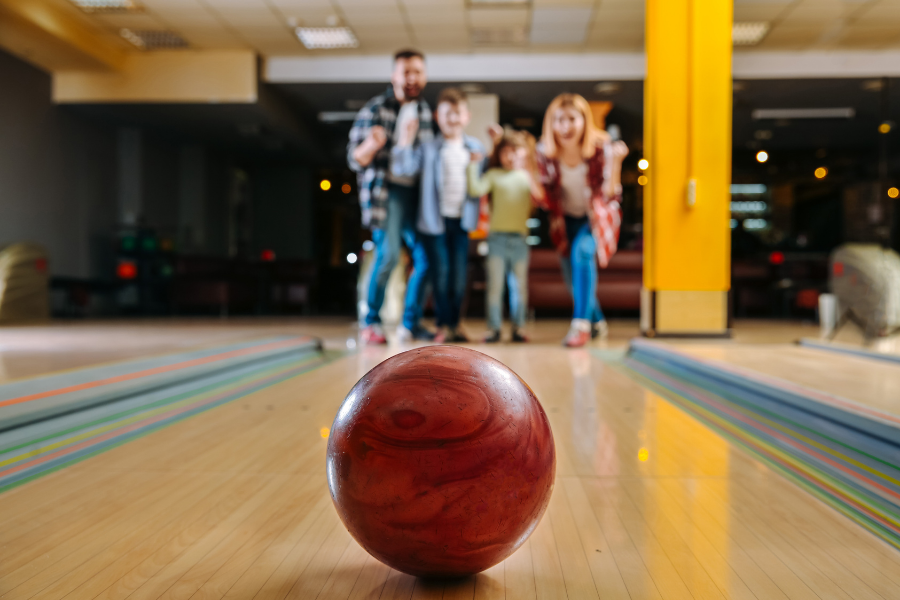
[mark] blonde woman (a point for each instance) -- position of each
(580, 169)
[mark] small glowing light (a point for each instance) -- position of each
(749, 33)
(267, 255)
(325, 185)
(324, 432)
(368, 245)
(643, 454)
(351, 258)
(884, 128)
(533, 223)
(762, 156)
(733, 223)
(748, 189)
(777, 257)
(821, 172)
(893, 192)
(351, 343)
(643, 180)
(127, 270)
(346, 188)
(532, 240)
(643, 164)
(755, 224)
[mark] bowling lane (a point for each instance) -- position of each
(233, 503)
(867, 381)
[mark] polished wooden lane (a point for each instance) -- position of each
(867, 381)
(648, 503)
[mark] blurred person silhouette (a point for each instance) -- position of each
(511, 182)
(389, 202)
(447, 212)
(580, 169)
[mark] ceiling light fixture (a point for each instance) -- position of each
(107, 5)
(749, 33)
(326, 38)
(152, 40)
(802, 113)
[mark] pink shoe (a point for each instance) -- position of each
(373, 335)
(579, 334)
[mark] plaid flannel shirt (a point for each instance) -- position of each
(605, 214)
(373, 178)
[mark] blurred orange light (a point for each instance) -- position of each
(324, 432)
(821, 172)
(643, 180)
(643, 454)
(126, 270)
(762, 156)
(346, 188)
(893, 192)
(884, 128)
(325, 185)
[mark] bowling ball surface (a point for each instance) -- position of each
(441, 462)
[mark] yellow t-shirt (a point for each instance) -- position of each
(510, 197)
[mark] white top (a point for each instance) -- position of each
(454, 160)
(576, 193)
(408, 111)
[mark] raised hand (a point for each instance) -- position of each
(476, 157)
(495, 132)
(619, 150)
(408, 133)
(377, 137)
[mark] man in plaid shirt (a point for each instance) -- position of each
(389, 203)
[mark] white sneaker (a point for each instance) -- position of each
(600, 329)
(404, 335)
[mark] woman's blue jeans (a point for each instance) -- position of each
(580, 269)
(448, 263)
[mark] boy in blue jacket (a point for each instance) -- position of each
(446, 212)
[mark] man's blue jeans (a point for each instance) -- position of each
(507, 253)
(580, 269)
(399, 228)
(448, 263)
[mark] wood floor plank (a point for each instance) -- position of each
(604, 570)
(491, 584)
(233, 503)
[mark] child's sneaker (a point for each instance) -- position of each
(600, 329)
(519, 337)
(404, 334)
(373, 335)
(493, 337)
(579, 334)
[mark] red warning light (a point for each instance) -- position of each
(40, 264)
(126, 270)
(267, 255)
(776, 258)
(838, 269)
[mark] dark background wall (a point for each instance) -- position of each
(57, 174)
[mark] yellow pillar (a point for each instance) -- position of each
(687, 140)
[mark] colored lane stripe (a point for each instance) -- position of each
(815, 460)
(154, 371)
(73, 444)
(837, 401)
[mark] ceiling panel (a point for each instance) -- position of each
(499, 17)
(563, 25)
(787, 37)
(759, 11)
(870, 37)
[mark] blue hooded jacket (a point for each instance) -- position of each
(424, 159)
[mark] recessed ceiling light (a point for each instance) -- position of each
(327, 37)
(749, 33)
(107, 5)
(151, 40)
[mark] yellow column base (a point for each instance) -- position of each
(684, 313)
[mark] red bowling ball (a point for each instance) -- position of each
(441, 461)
